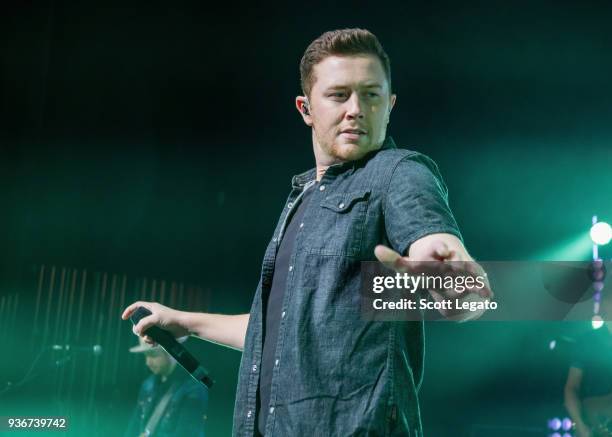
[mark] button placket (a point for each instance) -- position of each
(285, 219)
(284, 312)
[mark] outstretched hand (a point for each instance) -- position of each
(435, 258)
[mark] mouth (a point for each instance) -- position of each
(353, 134)
(354, 131)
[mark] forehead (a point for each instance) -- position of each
(349, 71)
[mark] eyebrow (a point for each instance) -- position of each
(371, 85)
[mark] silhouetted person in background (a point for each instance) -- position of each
(170, 401)
(588, 389)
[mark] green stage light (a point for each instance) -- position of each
(601, 233)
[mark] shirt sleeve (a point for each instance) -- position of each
(416, 203)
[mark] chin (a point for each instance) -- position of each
(350, 151)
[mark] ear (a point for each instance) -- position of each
(391, 105)
(301, 103)
(392, 102)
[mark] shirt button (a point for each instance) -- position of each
(249, 414)
(290, 205)
(271, 410)
(274, 239)
(254, 367)
(341, 205)
(283, 314)
(301, 225)
(322, 188)
(290, 268)
(276, 362)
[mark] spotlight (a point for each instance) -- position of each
(566, 424)
(601, 233)
(597, 273)
(554, 424)
(597, 322)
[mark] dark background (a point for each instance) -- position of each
(158, 139)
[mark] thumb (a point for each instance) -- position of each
(391, 259)
(441, 250)
(385, 254)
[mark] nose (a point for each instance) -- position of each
(355, 107)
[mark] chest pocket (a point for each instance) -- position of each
(342, 221)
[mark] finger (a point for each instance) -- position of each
(145, 323)
(385, 254)
(388, 257)
(149, 340)
(486, 291)
(392, 259)
(476, 271)
(438, 297)
(441, 250)
(431, 268)
(131, 308)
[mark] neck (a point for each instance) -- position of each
(321, 169)
(322, 159)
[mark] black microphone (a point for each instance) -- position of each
(167, 341)
(96, 348)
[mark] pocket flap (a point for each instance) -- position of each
(343, 202)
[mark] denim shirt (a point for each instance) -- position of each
(336, 374)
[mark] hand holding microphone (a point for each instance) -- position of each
(160, 324)
(160, 315)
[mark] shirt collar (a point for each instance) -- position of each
(300, 180)
(388, 144)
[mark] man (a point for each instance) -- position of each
(588, 389)
(170, 402)
(311, 365)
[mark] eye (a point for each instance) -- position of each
(372, 94)
(338, 95)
